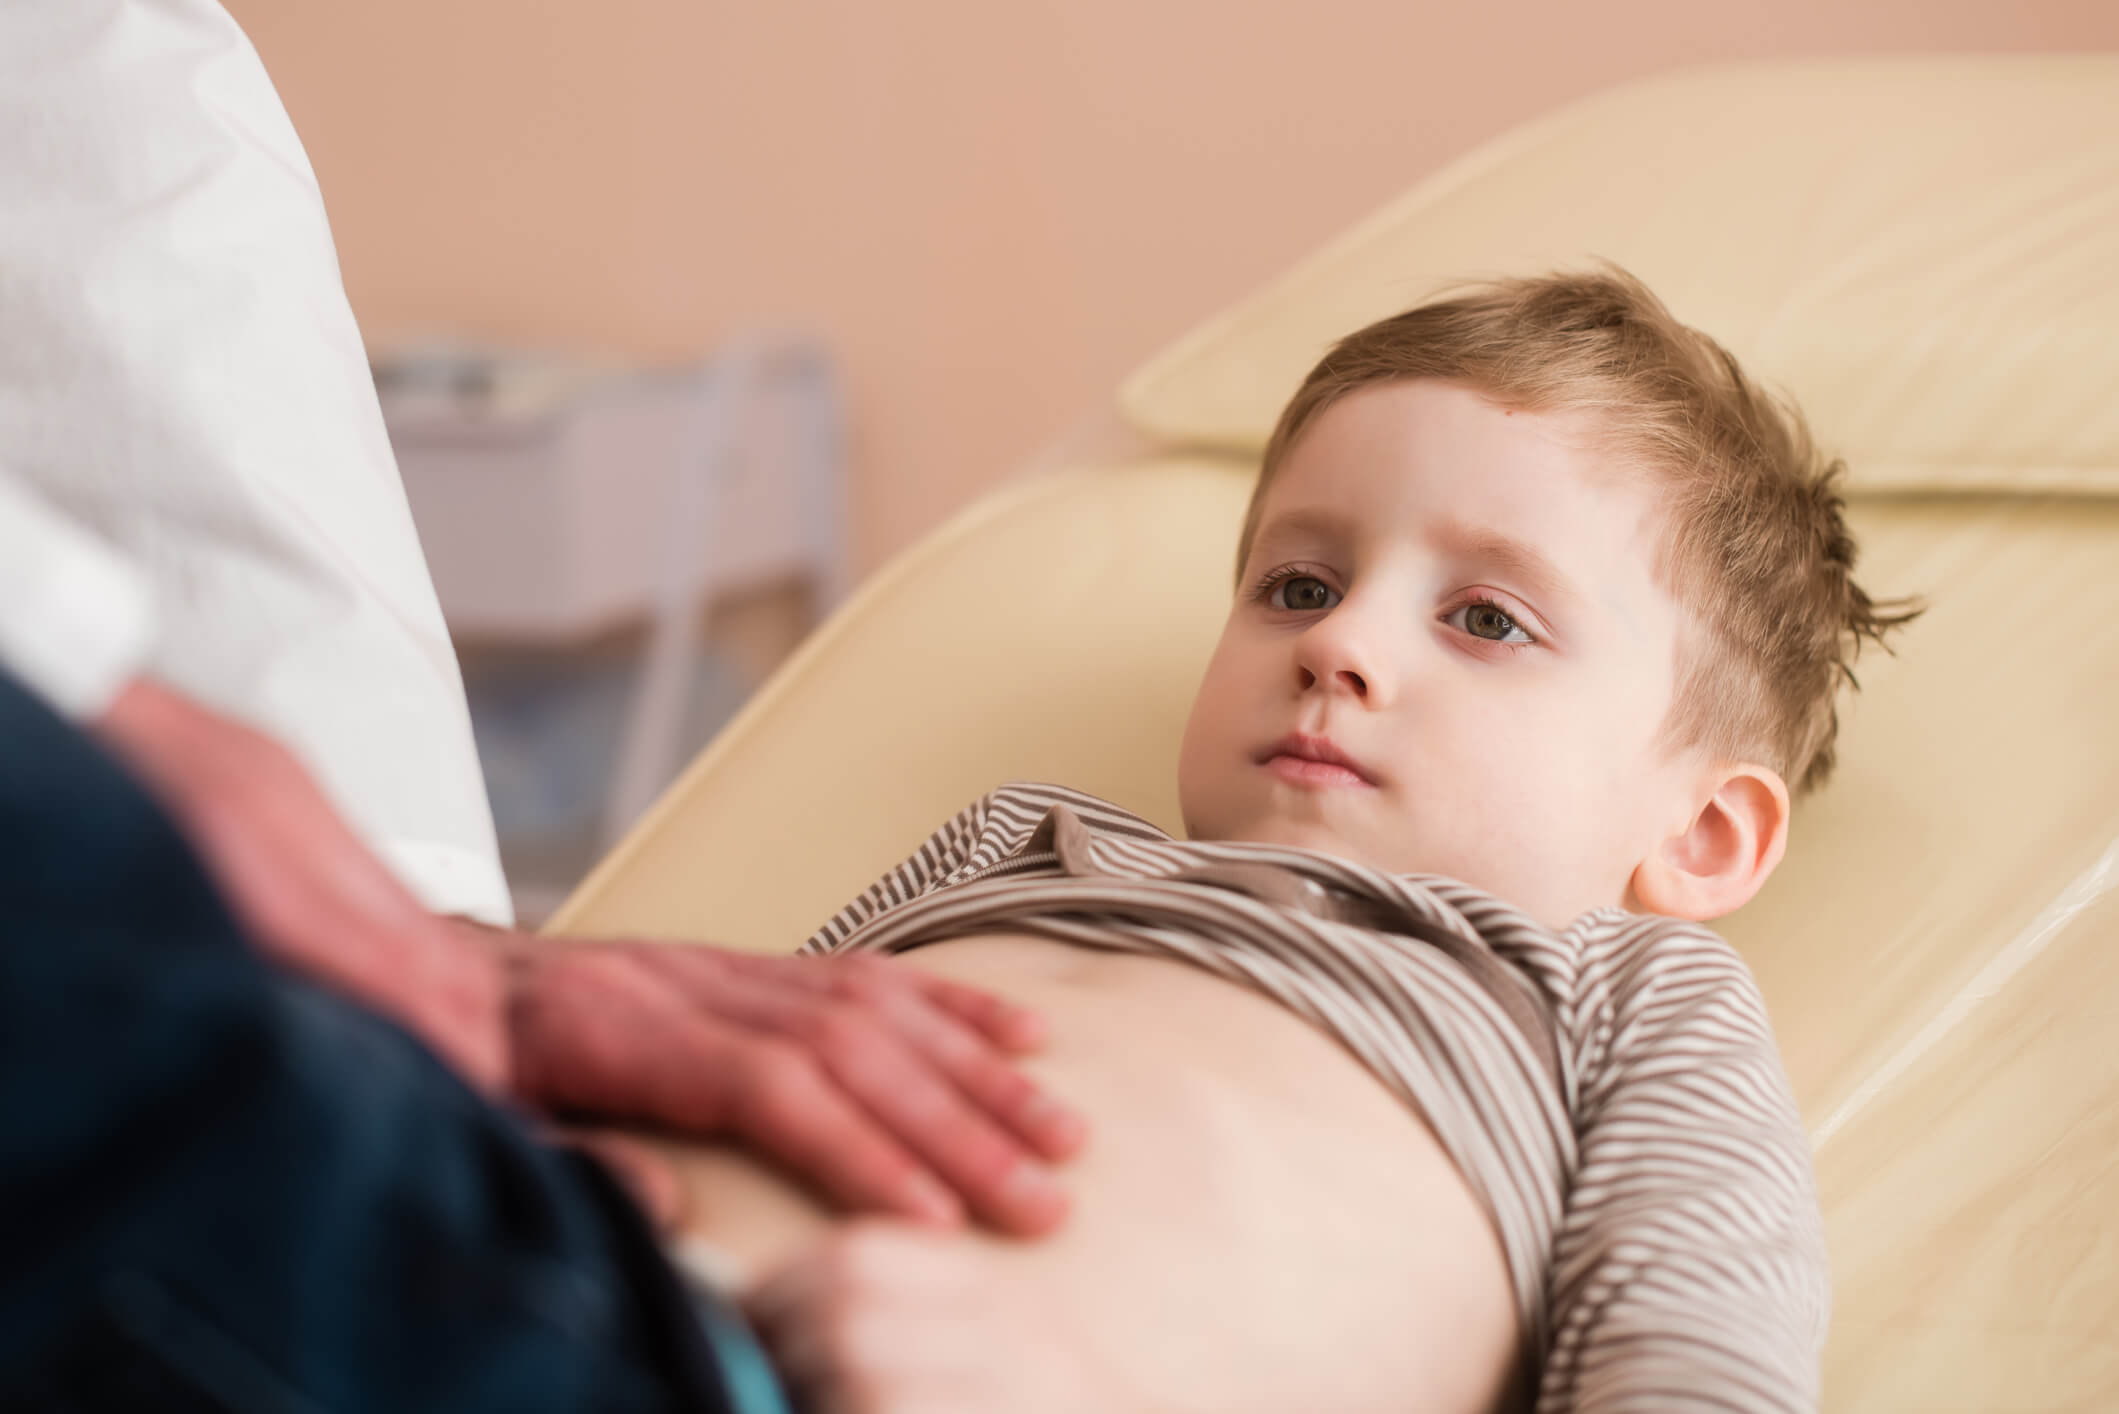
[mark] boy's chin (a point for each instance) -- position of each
(1298, 829)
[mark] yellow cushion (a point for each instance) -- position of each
(1940, 951)
(1920, 250)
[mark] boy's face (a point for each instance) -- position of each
(1461, 601)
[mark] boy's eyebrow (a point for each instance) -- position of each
(1518, 558)
(1309, 523)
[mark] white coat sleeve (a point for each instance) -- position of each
(181, 375)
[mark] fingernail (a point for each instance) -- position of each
(931, 1202)
(1031, 1186)
(1026, 1029)
(1058, 1126)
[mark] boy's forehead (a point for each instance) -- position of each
(1376, 430)
(1537, 494)
(1478, 474)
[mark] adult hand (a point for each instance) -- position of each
(881, 1318)
(304, 888)
(891, 1089)
(885, 1086)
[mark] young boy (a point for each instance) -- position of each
(1541, 610)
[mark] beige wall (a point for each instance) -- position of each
(993, 210)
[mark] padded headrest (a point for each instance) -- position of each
(1919, 250)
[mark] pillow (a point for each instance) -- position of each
(1919, 250)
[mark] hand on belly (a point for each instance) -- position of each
(1258, 1223)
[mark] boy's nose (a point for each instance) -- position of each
(1335, 661)
(1344, 679)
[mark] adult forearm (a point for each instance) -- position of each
(306, 890)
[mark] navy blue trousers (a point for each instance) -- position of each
(223, 1188)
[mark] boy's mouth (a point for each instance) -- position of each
(1312, 761)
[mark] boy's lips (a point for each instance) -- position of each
(1313, 761)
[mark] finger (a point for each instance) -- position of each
(1003, 1022)
(888, 1349)
(794, 1291)
(635, 1046)
(860, 1311)
(915, 1101)
(922, 1107)
(898, 996)
(649, 1178)
(788, 1314)
(798, 1353)
(641, 1050)
(995, 1085)
(780, 1099)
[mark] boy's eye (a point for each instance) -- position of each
(1484, 619)
(1487, 621)
(1302, 593)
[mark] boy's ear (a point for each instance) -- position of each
(1718, 861)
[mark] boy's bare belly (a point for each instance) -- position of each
(1257, 1222)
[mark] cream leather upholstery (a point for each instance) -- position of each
(1055, 632)
(1920, 250)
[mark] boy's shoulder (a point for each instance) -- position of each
(1648, 975)
(1621, 937)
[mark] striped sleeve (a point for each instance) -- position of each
(944, 852)
(1689, 1271)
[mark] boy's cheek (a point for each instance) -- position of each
(1197, 777)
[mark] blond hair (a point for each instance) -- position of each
(1755, 550)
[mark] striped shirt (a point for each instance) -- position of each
(1611, 1092)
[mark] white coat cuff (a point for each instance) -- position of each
(76, 621)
